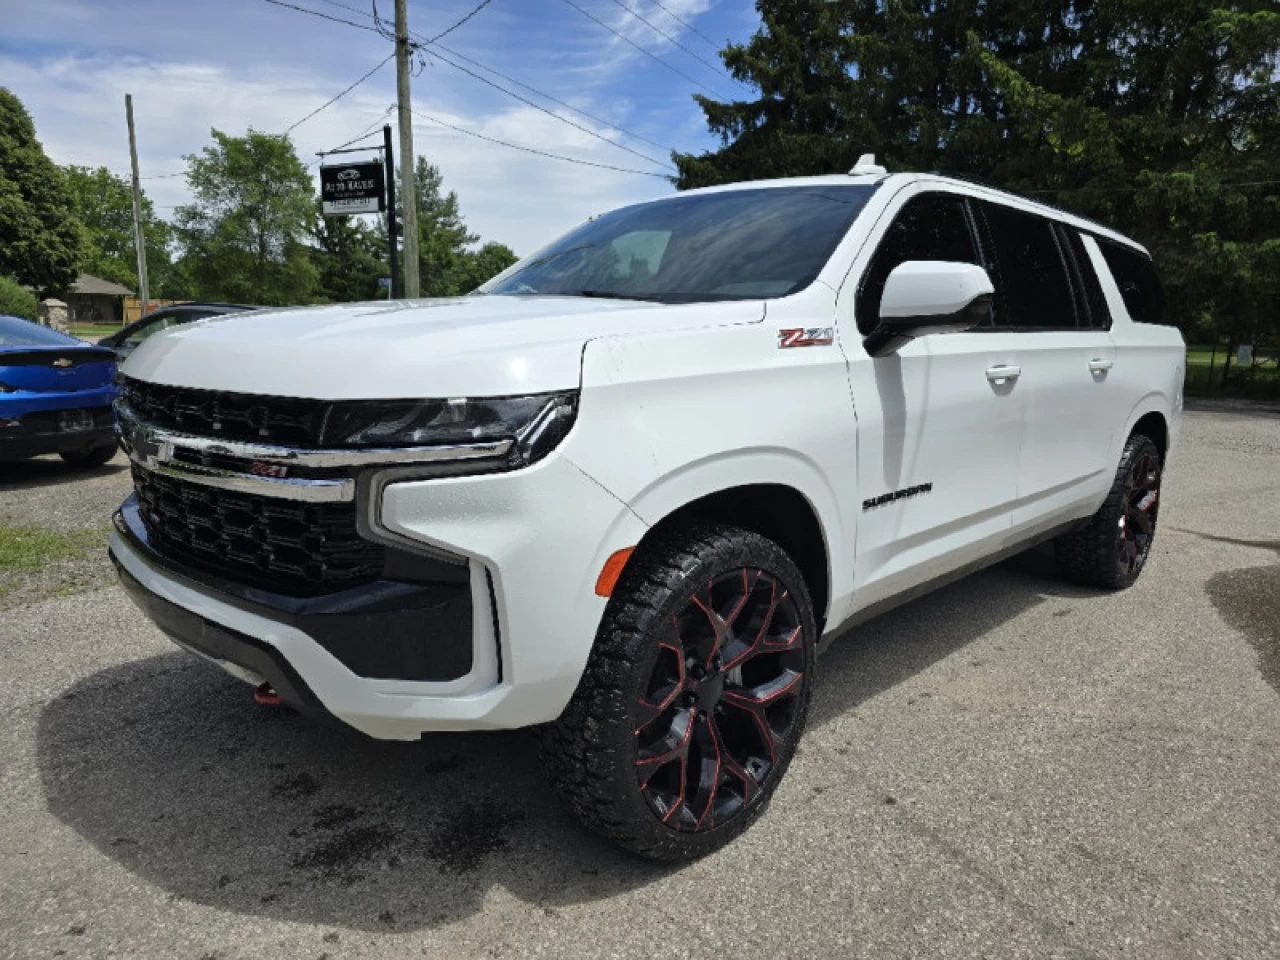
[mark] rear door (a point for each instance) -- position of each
(1065, 460)
(938, 422)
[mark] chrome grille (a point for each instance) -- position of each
(288, 546)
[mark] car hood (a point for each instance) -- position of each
(466, 346)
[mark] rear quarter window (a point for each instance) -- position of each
(1136, 277)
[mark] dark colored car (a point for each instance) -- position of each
(125, 341)
(55, 395)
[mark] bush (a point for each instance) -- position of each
(16, 300)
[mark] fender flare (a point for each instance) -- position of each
(758, 466)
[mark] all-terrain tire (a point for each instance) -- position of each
(594, 750)
(1112, 548)
(87, 459)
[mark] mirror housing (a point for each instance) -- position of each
(923, 297)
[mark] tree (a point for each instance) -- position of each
(103, 202)
(1160, 119)
(477, 266)
(442, 235)
(244, 235)
(16, 300)
(349, 256)
(40, 238)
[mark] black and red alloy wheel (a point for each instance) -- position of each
(1139, 510)
(723, 701)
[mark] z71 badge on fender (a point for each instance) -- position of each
(810, 337)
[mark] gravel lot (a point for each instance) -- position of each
(1010, 767)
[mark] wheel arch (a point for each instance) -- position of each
(1150, 417)
(784, 501)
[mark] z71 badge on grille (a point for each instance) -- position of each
(806, 337)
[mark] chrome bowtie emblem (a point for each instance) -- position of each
(62, 362)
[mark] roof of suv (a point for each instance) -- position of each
(962, 185)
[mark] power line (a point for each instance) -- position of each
(335, 99)
(680, 20)
(540, 153)
(547, 96)
(551, 113)
(652, 56)
(325, 16)
(662, 33)
(453, 53)
(445, 33)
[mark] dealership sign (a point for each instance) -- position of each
(352, 188)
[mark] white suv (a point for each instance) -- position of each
(629, 486)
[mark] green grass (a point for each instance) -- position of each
(93, 332)
(31, 549)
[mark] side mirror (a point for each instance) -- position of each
(923, 297)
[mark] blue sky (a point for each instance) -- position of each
(231, 64)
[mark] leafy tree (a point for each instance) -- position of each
(16, 300)
(40, 238)
(477, 266)
(244, 235)
(103, 202)
(349, 256)
(1161, 119)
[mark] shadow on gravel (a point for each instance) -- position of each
(167, 767)
(53, 471)
(1248, 599)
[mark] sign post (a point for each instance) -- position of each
(389, 158)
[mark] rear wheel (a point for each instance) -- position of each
(1111, 550)
(694, 697)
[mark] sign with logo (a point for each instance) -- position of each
(352, 188)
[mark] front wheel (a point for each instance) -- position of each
(1112, 548)
(694, 697)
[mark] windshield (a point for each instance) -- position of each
(734, 245)
(15, 332)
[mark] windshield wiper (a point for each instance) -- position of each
(616, 295)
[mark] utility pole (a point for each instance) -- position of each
(139, 236)
(389, 165)
(408, 195)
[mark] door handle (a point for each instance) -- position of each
(1003, 373)
(1098, 365)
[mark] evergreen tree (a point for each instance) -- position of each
(349, 256)
(1160, 119)
(40, 238)
(442, 235)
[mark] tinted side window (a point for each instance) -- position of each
(932, 226)
(1032, 289)
(1135, 275)
(1099, 314)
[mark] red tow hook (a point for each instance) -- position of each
(266, 696)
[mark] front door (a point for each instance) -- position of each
(938, 422)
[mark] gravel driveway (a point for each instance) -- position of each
(1009, 767)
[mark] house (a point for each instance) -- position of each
(94, 300)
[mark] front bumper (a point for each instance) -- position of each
(532, 542)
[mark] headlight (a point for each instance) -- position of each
(5, 388)
(534, 424)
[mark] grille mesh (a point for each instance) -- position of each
(300, 549)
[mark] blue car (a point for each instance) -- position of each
(55, 395)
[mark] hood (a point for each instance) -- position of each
(468, 346)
